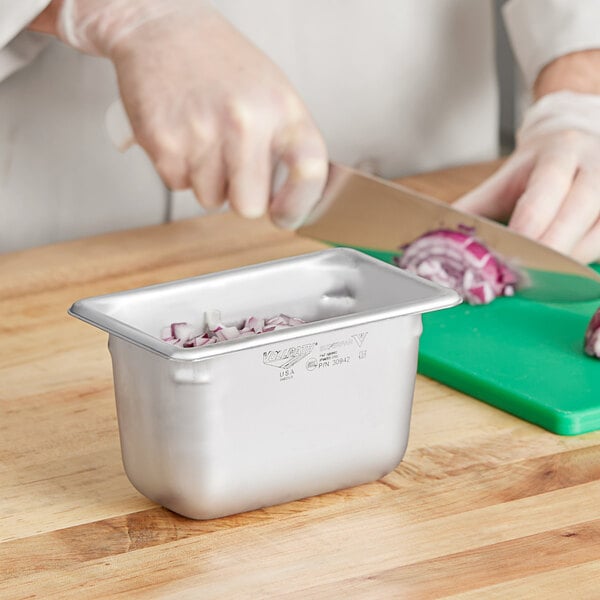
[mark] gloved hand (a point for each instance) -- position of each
(212, 112)
(550, 185)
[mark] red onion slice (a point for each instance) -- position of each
(185, 331)
(212, 319)
(253, 324)
(592, 336)
(456, 259)
(186, 335)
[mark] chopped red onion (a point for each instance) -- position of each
(186, 335)
(592, 336)
(212, 319)
(456, 259)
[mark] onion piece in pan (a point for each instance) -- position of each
(186, 335)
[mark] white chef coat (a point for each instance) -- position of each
(399, 85)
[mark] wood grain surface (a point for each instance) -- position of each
(483, 505)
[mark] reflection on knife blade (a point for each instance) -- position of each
(363, 211)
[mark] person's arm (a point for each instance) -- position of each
(209, 108)
(19, 47)
(549, 188)
(576, 72)
(46, 21)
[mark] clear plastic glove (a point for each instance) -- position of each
(211, 110)
(550, 185)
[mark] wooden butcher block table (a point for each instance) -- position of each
(483, 505)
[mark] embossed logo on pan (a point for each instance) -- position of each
(286, 358)
(359, 338)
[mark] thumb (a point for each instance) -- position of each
(118, 127)
(495, 198)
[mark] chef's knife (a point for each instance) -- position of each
(363, 211)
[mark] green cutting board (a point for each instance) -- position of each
(521, 356)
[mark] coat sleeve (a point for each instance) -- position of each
(542, 30)
(19, 47)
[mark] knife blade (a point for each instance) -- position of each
(368, 212)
